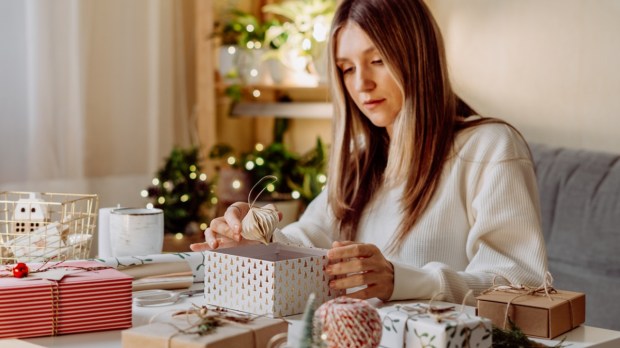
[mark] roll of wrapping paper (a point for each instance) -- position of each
(160, 271)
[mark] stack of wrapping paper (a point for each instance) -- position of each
(160, 271)
(72, 297)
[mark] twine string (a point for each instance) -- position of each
(544, 289)
(266, 177)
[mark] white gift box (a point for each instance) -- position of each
(273, 280)
(413, 326)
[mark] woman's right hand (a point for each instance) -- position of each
(224, 230)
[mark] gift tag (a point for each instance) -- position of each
(53, 274)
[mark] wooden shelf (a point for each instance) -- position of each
(316, 110)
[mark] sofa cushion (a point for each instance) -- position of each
(580, 206)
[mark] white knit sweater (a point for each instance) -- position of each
(483, 221)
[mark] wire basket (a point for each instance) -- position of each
(37, 227)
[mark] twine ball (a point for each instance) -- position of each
(348, 322)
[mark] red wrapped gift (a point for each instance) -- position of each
(87, 297)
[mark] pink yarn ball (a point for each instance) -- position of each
(348, 322)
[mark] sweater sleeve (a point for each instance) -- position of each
(314, 228)
(504, 240)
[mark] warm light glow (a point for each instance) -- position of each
(319, 33)
(271, 187)
(295, 195)
(322, 178)
(306, 45)
(144, 193)
(236, 184)
(250, 45)
(192, 168)
(260, 161)
(185, 198)
(168, 185)
(214, 200)
(249, 165)
(256, 93)
(178, 236)
(231, 160)
(155, 181)
(232, 50)
(203, 226)
(149, 206)
(249, 28)
(259, 147)
(254, 72)
(203, 177)
(257, 44)
(193, 175)
(322, 187)
(161, 200)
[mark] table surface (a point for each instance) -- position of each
(583, 336)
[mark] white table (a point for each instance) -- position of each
(583, 336)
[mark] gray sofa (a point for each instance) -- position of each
(580, 203)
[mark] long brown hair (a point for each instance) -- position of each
(363, 156)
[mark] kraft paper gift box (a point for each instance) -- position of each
(273, 280)
(83, 299)
(536, 315)
(412, 326)
(255, 334)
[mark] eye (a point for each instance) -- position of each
(346, 70)
(377, 61)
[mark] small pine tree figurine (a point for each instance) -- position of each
(182, 191)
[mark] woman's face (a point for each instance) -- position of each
(366, 78)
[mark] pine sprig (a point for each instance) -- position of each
(513, 337)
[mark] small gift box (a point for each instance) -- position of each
(69, 297)
(169, 334)
(419, 325)
(536, 313)
(273, 279)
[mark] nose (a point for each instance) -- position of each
(363, 80)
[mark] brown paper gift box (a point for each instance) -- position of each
(536, 315)
(255, 334)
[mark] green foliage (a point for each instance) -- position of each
(180, 191)
(304, 174)
(513, 337)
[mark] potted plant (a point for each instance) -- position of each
(300, 177)
(300, 39)
(184, 194)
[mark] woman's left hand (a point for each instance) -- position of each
(361, 264)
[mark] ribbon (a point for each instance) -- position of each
(545, 289)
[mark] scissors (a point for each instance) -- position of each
(160, 297)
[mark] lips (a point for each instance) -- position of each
(373, 103)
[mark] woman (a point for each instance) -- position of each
(422, 199)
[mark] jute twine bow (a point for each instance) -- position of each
(260, 222)
(446, 313)
(208, 319)
(545, 289)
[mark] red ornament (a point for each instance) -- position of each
(20, 270)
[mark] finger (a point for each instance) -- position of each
(200, 246)
(211, 242)
(220, 226)
(352, 250)
(354, 280)
(351, 266)
(340, 243)
(233, 216)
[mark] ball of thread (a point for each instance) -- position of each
(348, 322)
